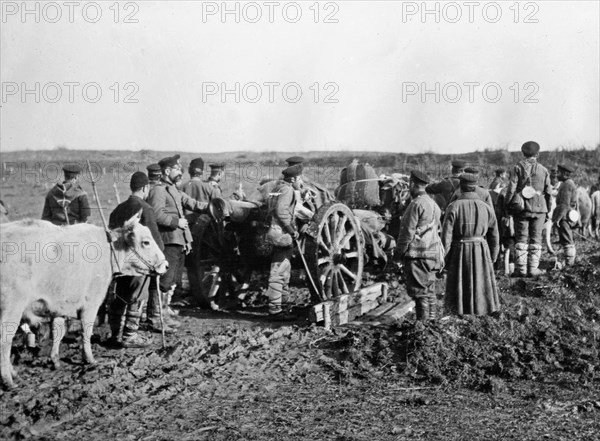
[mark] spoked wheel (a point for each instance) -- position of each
(334, 251)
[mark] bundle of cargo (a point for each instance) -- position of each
(359, 186)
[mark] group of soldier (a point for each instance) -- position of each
(453, 224)
(469, 242)
(169, 210)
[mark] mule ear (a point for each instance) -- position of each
(133, 220)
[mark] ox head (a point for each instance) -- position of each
(137, 251)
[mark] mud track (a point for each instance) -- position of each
(528, 373)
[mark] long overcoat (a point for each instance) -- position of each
(470, 237)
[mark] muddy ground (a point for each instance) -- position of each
(530, 372)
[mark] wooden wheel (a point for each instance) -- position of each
(334, 250)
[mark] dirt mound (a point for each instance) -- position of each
(545, 326)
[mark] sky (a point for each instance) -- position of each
(193, 76)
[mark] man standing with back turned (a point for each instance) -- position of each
(531, 181)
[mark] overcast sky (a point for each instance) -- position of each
(372, 62)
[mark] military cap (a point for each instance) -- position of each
(169, 161)
(458, 163)
(138, 180)
(197, 164)
(468, 178)
(292, 171)
(565, 168)
(217, 166)
(419, 177)
(153, 169)
(72, 168)
(472, 170)
(499, 171)
(294, 160)
(530, 148)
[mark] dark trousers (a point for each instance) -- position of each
(176, 257)
(528, 228)
(420, 278)
(565, 234)
(130, 294)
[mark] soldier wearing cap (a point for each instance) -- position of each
(154, 173)
(419, 246)
(198, 189)
(483, 194)
(67, 203)
(566, 200)
(282, 232)
(499, 181)
(529, 219)
(446, 188)
(471, 240)
(169, 204)
(131, 292)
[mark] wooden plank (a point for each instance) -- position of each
(349, 306)
(399, 310)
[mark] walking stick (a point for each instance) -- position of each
(112, 249)
(312, 282)
(160, 307)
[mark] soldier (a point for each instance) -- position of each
(529, 219)
(153, 310)
(154, 173)
(419, 246)
(499, 180)
(470, 238)
(131, 291)
(281, 235)
(67, 203)
(294, 160)
(196, 188)
(566, 200)
(483, 194)
(444, 189)
(169, 203)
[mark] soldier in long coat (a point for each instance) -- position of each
(419, 246)
(471, 240)
(67, 203)
(169, 203)
(566, 200)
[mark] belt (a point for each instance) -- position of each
(470, 239)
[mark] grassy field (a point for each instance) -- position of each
(27, 176)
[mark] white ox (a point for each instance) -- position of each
(52, 271)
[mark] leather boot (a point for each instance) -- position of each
(570, 254)
(422, 309)
(520, 260)
(533, 260)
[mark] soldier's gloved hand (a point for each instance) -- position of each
(183, 223)
(296, 235)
